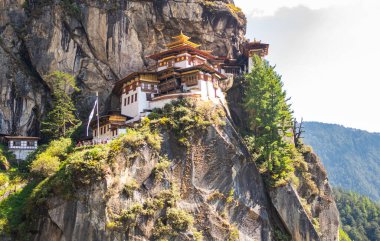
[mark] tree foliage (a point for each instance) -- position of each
(359, 215)
(270, 119)
(5, 157)
(47, 162)
(61, 121)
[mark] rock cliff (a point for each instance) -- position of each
(214, 164)
(213, 179)
(97, 41)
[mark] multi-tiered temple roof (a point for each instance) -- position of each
(183, 70)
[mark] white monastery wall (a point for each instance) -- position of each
(132, 109)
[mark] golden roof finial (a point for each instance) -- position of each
(181, 40)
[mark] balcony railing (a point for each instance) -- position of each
(168, 85)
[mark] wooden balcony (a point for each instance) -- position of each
(168, 85)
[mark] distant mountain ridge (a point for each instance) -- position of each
(351, 156)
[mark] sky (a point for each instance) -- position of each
(328, 53)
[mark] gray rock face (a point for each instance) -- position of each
(22, 94)
(99, 42)
(321, 220)
(216, 162)
(102, 41)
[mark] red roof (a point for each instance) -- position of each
(117, 89)
(256, 45)
(205, 68)
(182, 49)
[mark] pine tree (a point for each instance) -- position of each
(61, 120)
(270, 119)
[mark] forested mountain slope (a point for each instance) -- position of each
(359, 215)
(351, 156)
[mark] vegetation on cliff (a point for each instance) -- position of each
(61, 120)
(5, 157)
(360, 217)
(60, 170)
(270, 120)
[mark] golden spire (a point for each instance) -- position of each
(181, 40)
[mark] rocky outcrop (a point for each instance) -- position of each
(215, 164)
(217, 183)
(23, 94)
(309, 211)
(99, 42)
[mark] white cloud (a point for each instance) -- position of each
(259, 8)
(329, 60)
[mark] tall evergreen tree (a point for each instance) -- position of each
(270, 119)
(61, 121)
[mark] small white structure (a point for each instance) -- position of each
(22, 146)
(254, 48)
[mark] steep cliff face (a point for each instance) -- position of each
(99, 42)
(23, 94)
(214, 181)
(309, 210)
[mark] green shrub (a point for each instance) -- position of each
(160, 168)
(48, 158)
(198, 235)
(113, 226)
(233, 8)
(12, 209)
(84, 171)
(130, 187)
(133, 140)
(185, 116)
(5, 157)
(179, 220)
(4, 179)
(45, 165)
(161, 230)
(230, 197)
(129, 217)
(79, 169)
(233, 234)
(343, 236)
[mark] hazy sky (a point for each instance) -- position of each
(328, 53)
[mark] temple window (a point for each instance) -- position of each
(131, 99)
(30, 143)
(125, 101)
(136, 97)
(128, 100)
(16, 143)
